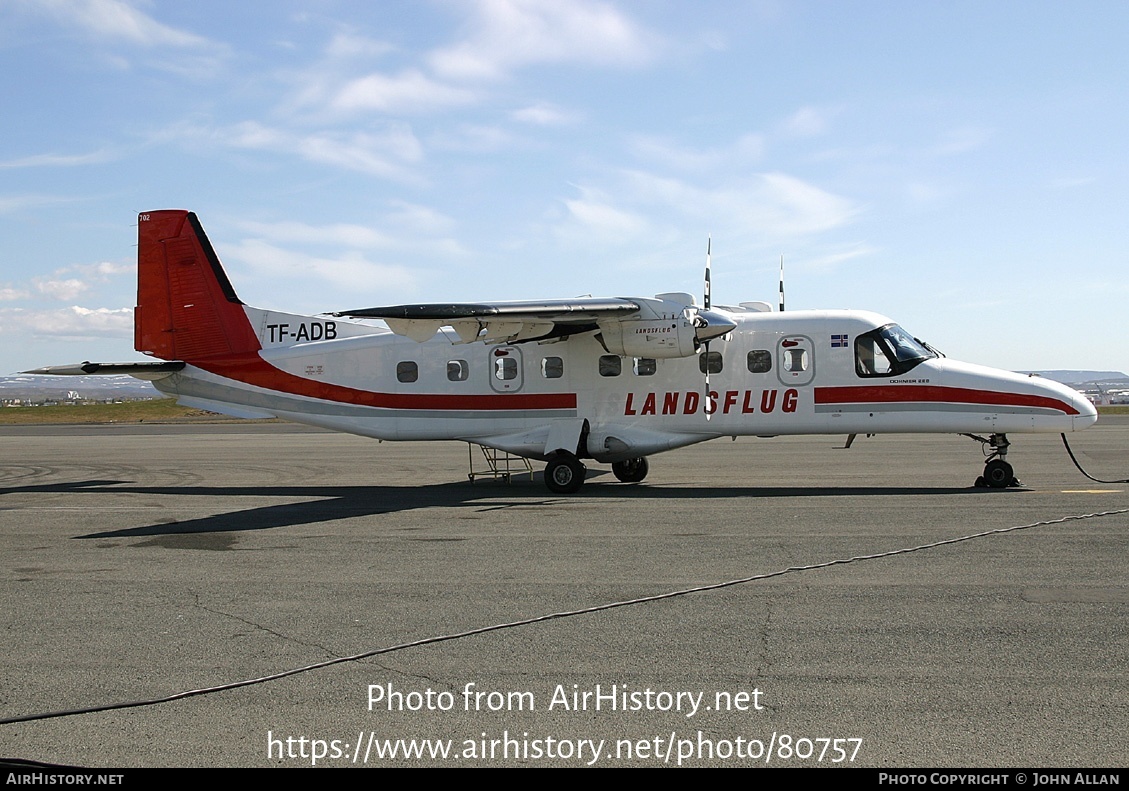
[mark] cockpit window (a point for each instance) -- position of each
(888, 351)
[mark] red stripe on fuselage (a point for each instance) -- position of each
(889, 394)
(253, 370)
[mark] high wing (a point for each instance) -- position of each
(510, 322)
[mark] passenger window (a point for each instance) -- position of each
(610, 365)
(552, 368)
(645, 366)
(795, 359)
(760, 361)
(406, 371)
(457, 370)
(505, 368)
(709, 362)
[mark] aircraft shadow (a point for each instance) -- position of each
(348, 502)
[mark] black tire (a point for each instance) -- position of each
(631, 470)
(564, 474)
(998, 474)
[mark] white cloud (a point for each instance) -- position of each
(109, 268)
(12, 294)
(771, 204)
(350, 271)
(962, 140)
(115, 19)
(921, 193)
(413, 218)
(473, 137)
(605, 218)
(378, 155)
(73, 322)
(593, 214)
(386, 154)
(406, 221)
(802, 207)
(59, 160)
(653, 210)
(342, 61)
(498, 37)
(59, 286)
(806, 122)
(18, 202)
(507, 34)
(828, 262)
(1070, 183)
(406, 93)
(543, 114)
(63, 290)
(348, 46)
(338, 234)
(746, 150)
(114, 24)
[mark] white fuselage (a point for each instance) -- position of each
(780, 373)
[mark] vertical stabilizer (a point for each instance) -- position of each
(186, 307)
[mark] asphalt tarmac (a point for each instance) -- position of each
(142, 562)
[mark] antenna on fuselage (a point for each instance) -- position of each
(781, 282)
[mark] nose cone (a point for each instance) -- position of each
(1017, 402)
(1087, 413)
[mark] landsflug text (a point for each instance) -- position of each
(679, 403)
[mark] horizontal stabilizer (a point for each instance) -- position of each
(153, 370)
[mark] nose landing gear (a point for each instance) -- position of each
(998, 474)
(631, 470)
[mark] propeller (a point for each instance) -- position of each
(709, 325)
(706, 306)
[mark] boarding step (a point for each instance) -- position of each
(499, 464)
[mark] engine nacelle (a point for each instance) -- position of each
(657, 338)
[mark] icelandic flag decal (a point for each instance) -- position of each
(838, 341)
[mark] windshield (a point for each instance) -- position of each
(888, 351)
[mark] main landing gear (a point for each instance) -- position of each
(564, 474)
(998, 474)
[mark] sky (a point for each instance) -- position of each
(960, 167)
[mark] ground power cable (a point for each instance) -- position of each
(1079, 466)
(552, 616)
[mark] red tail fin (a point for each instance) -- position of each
(186, 307)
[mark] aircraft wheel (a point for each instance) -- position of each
(564, 474)
(632, 470)
(998, 474)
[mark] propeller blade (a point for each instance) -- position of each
(706, 396)
(704, 325)
(706, 294)
(781, 283)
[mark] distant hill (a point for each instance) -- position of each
(1083, 377)
(60, 388)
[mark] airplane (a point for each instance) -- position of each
(613, 380)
